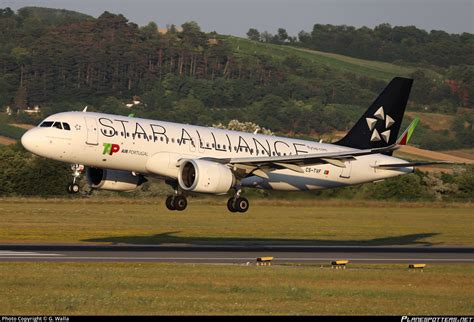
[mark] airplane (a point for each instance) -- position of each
(118, 153)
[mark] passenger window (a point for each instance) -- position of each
(46, 124)
(57, 125)
(66, 127)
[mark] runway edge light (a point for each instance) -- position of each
(417, 266)
(263, 261)
(339, 264)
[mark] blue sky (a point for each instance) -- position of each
(236, 17)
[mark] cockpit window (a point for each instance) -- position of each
(46, 124)
(58, 125)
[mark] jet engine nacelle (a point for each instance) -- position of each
(205, 176)
(115, 180)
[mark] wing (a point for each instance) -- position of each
(259, 166)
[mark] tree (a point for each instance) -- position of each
(236, 125)
(266, 36)
(282, 35)
(21, 98)
(253, 34)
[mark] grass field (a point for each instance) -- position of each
(156, 288)
(134, 288)
(435, 121)
(463, 153)
(6, 140)
(146, 221)
(457, 156)
(375, 69)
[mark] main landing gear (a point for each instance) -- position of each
(176, 201)
(77, 169)
(238, 203)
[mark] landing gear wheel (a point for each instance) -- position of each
(170, 203)
(231, 205)
(180, 203)
(77, 169)
(241, 204)
(73, 188)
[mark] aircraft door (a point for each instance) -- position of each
(346, 172)
(92, 131)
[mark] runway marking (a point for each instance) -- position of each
(232, 258)
(6, 253)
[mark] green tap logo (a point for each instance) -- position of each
(110, 148)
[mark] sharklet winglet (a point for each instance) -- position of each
(406, 135)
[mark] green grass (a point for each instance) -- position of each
(374, 69)
(146, 221)
(11, 131)
(147, 288)
(152, 288)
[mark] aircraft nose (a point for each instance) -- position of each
(30, 140)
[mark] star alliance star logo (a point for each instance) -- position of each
(371, 122)
(78, 127)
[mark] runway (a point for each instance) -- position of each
(214, 254)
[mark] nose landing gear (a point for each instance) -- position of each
(77, 169)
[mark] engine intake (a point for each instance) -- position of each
(114, 180)
(205, 176)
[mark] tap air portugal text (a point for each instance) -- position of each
(119, 152)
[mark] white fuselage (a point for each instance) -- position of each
(155, 148)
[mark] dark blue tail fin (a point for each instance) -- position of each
(380, 124)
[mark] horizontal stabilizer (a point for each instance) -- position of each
(410, 164)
